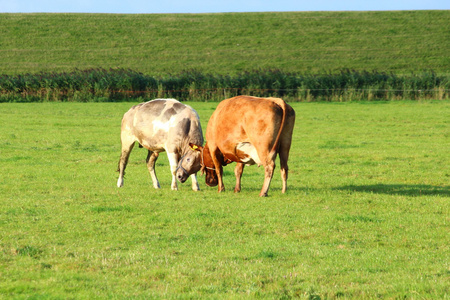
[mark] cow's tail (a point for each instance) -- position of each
(280, 102)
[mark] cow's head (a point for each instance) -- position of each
(207, 165)
(189, 164)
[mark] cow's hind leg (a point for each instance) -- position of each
(238, 173)
(268, 174)
(284, 155)
(173, 161)
(151, 160)
(127, 146)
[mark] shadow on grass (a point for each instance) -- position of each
(399, 189)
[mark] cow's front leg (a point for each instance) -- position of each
(173, 161)
(195, 185)
(151, 159)
(219, 172)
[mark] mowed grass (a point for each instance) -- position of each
(366, 214)
(402, 42)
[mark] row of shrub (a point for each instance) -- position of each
(123, 84)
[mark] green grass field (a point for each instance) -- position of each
(303, 42)
(366, 215)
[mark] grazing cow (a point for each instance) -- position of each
(247, 130)
(162, 125)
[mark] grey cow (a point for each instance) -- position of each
(162, 125)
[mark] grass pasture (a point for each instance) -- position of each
(366, 214)
(402, 42)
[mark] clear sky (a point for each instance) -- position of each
(206, 6)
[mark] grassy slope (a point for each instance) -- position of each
(366, 215)
(400, 41)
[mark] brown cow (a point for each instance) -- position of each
(247, 130)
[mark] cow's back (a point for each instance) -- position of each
(245, 119)
(160, 123)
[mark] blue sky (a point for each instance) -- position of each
(205, 6)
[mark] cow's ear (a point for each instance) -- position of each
(195, 147)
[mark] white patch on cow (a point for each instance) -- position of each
(158, 125)
(164, 126)
(252, 155)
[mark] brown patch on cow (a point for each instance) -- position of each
(157, 106)
(175, 109)
(241, 155)
(179, 107)
(168, 114)
(185, 126)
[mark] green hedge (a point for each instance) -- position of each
(123, 85)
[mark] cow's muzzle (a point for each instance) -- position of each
(181, 174)
(211, 178)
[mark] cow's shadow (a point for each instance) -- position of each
(399, 189)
